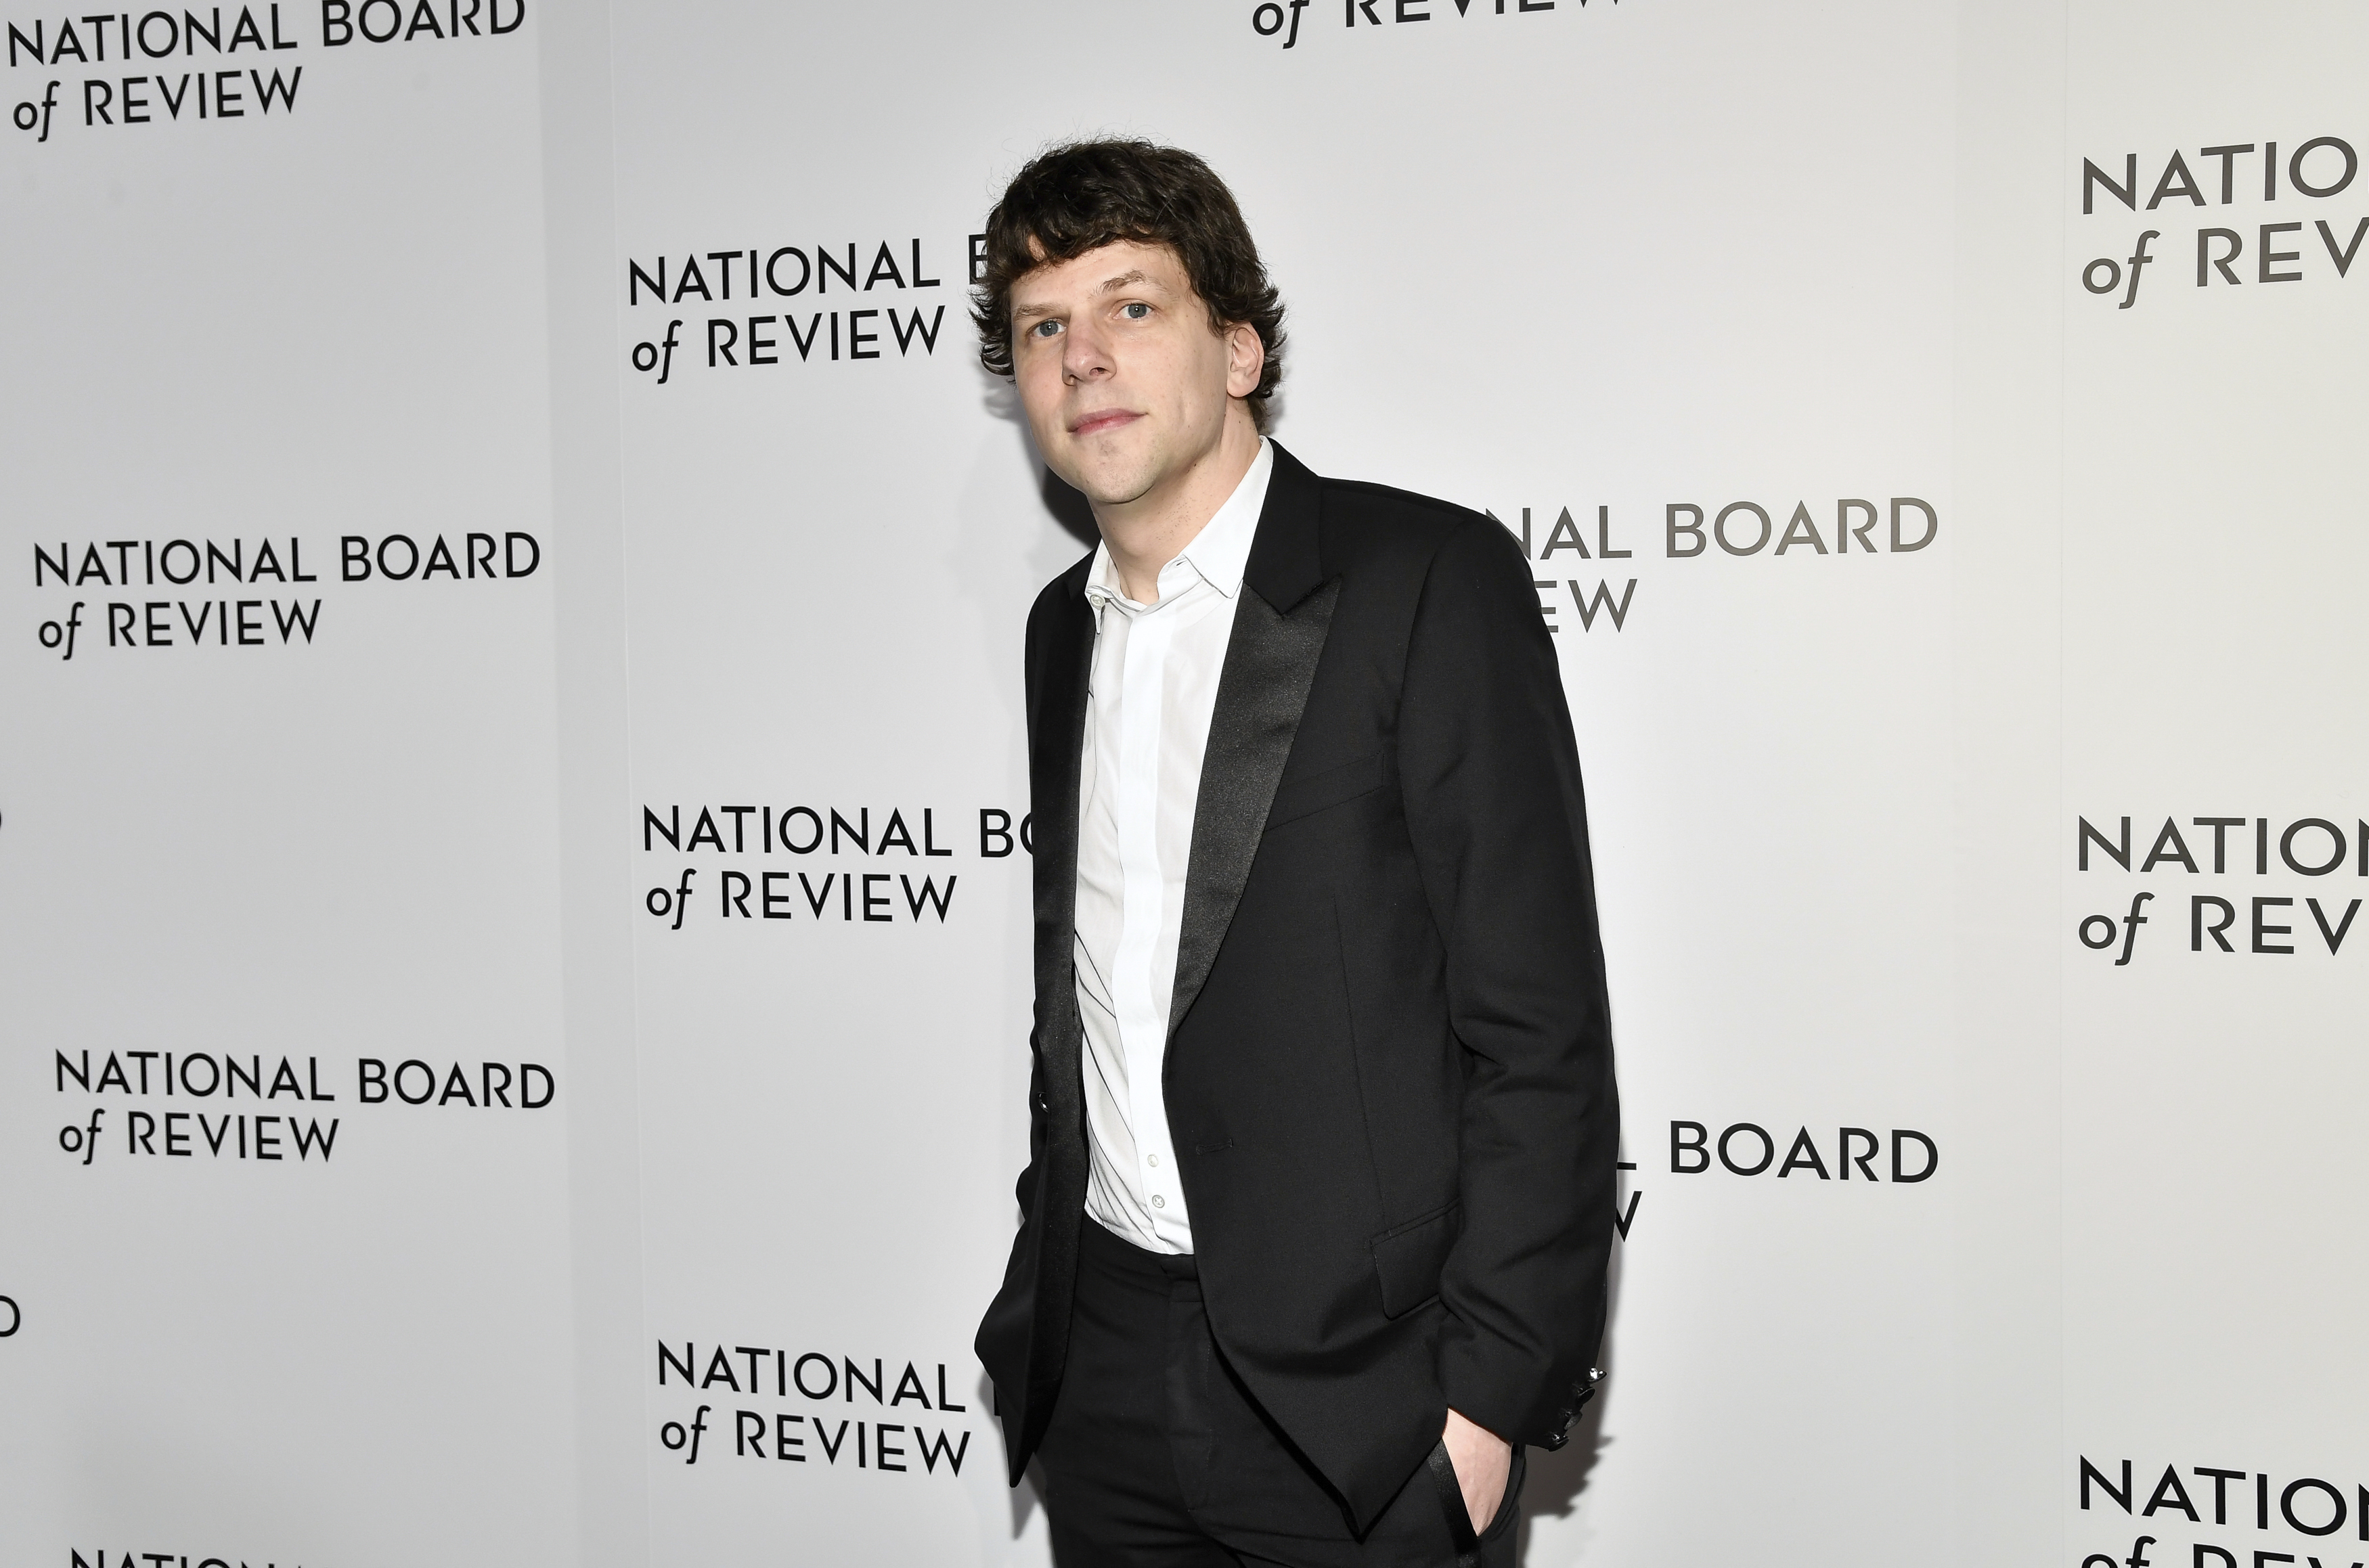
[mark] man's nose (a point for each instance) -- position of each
(1084, 355)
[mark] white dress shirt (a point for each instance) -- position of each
(1153, 688)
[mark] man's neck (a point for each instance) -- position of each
(1145, 534)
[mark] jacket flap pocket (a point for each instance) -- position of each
(1409, 1259)
(1330, 786)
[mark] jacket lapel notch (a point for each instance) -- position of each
(1284, 566)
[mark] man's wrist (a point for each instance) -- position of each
(1455, 1416)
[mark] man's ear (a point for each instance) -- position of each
(1245, 360)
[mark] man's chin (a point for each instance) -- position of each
(1110, 486)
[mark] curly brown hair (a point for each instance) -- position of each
(1081, 196)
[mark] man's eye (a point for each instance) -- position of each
(1135, 310)
(1045, 329)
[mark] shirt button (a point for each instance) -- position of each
(1159, 1202)
(1155, 1159)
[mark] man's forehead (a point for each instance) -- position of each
(1120, 264)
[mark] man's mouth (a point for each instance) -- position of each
(1104, 420)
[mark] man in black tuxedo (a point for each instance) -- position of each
(1322, 1131)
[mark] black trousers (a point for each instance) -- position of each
(1158, 1456)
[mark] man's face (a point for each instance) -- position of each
(1125, 384)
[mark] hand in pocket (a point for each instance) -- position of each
(1482, 1461)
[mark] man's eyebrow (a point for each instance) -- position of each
(1108, 285)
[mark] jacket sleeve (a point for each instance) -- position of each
(1490, 775)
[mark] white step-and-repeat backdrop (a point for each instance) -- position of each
(514, 842)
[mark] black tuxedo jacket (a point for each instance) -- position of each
(1388, 1073)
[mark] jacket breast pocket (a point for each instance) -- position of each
(1409, 1259)
(1306, 795)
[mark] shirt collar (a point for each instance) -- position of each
(1220, 553)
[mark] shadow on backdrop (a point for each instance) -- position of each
(1069, 509)
(1063, 503)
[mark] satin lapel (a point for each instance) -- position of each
(1270, 663)
(1058, 735)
